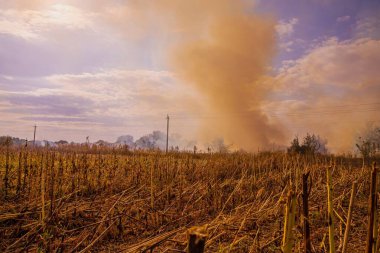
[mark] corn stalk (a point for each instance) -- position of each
(349, 218)
(330, 211)
(372, 212)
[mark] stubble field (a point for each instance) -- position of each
(80, 199)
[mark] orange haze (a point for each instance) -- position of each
(226, 62)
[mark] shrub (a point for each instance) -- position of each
(312, 144)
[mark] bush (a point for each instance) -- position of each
(6, 141)
(369, 143)
(312, 144)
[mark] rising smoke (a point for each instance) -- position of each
(223, 50)
(226, 61)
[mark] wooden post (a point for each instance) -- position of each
(34, 135)
(348, 223)
(372, 209)
(196, 239)
(375, 222)
(305, 213)
(290, 215)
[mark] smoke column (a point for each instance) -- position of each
(225, 54)
(223, 50)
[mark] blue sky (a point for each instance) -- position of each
(78, 69)
(318, 20)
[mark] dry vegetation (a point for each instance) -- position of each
(113, 200)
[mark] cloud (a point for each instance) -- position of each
(57, 119)
(10, 83)
(137, 86)
(343, 64)
(333, 90)
(324, 2)
(286, 28)
(126, 101)
(79, 36)
(368, 27)
(53, 105)
(35, 24)
(287, 46)
(343, 19)
(23, 4)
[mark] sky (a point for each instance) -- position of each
(105, 68)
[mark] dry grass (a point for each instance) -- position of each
(79, 200)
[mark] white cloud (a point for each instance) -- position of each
(344, 64)
(285, 28)
(33, 24)
(126, 101)
(333, 90)
(10, 78)
(287, 46)
(116, 84)
(125, 92)
(343, 19)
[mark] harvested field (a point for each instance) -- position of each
(114, 200)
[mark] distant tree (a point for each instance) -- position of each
(368, 143)
(156, 139)
(295, 146)
(102, 143)
(125, 139)
(312, 144)
(62, 142)
(219, 146)
(6, 141)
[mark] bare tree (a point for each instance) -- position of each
(368, 143)
(312, 144)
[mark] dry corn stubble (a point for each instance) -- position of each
(98, 199)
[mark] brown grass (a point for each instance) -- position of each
(113, 200)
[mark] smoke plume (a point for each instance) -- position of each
(222, 49)
(226, 62)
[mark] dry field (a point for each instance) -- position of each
(114, 200)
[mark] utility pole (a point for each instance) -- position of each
(34, 136)
(167, 133)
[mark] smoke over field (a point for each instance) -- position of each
(189, 125)
(248, 72)
(227, 64)
(223, 51)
